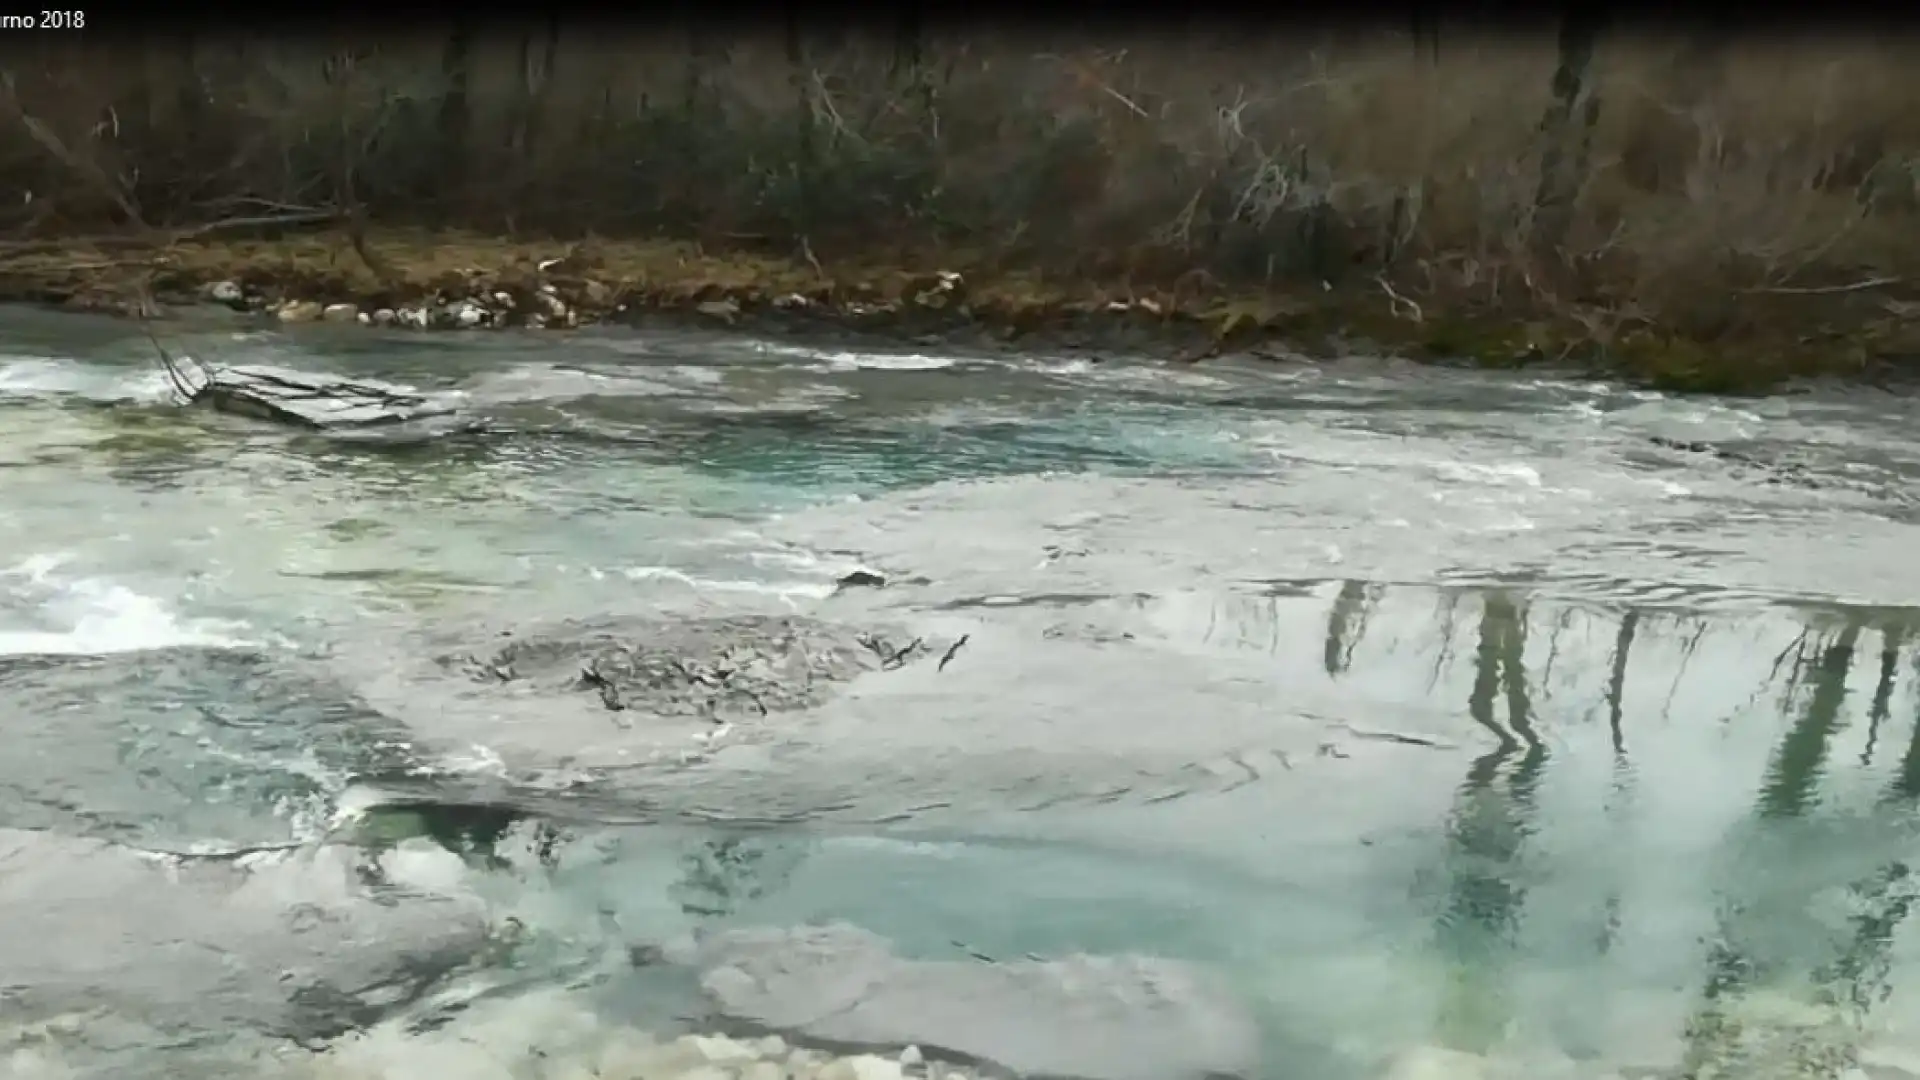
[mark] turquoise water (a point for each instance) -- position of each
(1449, 722)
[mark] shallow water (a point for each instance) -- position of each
(1424, 711)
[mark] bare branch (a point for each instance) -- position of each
(1824, 290)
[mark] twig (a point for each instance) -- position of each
(899, 656)
(1396, 737)
(1824, 290)
(175, 378)
(953, 650)
(163, 239)
(806, 249)
(825, 100)
(89, 171)
(1395, 301)
(1087, 76)
(304, 217)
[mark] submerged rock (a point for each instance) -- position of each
(561, 1034)
(288, 944)
(1092, 1017)
(743, 665)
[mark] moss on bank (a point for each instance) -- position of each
(949, 296)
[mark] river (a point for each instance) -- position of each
(1442, 724)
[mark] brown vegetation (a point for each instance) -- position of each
(1695, 206)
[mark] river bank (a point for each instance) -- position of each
(448, 280)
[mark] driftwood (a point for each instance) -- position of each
(295, 399)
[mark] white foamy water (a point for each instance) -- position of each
(552, 382)
(49, 377)
(788, 591)
(46, 613)
(847, 360)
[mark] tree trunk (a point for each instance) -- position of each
(1425, 31)
(804, 138)
(1666, 140)
(455, 113)
(1560, 171)
(909, 58)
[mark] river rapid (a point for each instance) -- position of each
(1245, 719)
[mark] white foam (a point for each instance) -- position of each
(1501, 474)
(844, 360)
(47, 377)
(883, 362)
(785, 590)
(85, 616)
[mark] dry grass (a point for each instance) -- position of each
(1726, 192)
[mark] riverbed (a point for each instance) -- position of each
(1318, 720)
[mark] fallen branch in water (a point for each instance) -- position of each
(953, 650)
(899, 657)
(1402, 738)
(176, 378)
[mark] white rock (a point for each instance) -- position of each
(504, 299)
(340, 313)
(464, 314)
(773, 1046)
(556, 307)
(227, 292)
(721, 1048)
(764, 1070)
(300, 311)
(417, 318)
(911, 1057)
(536, 321)
(547, 288)
(363, 319)
(384, 317)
